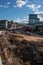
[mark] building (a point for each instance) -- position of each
(39, 27)
(34, 24)
(33, 19)
(3, 24)
(9, 24)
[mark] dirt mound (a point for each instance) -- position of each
(18, 51)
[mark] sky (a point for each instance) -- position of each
(19, 10)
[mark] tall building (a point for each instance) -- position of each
(33, 19)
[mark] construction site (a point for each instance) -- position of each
(21, 32)
(21, 44)
(20, 49)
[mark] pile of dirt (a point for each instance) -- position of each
(20, 52)
(28, 51)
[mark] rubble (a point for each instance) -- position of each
(15, 50)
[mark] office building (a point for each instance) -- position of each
(33, 19)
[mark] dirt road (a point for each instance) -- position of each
(31, 38)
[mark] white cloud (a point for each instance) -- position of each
(18, 20)
(20, 3)
(22, 20)
(1, 6)
(34, 7)
(8, 3)
(40, 17)
(4, 6)
(14, 6)
(26, 19)
(38, 12)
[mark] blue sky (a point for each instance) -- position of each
(18, 10)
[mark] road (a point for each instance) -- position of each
(30, 37)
